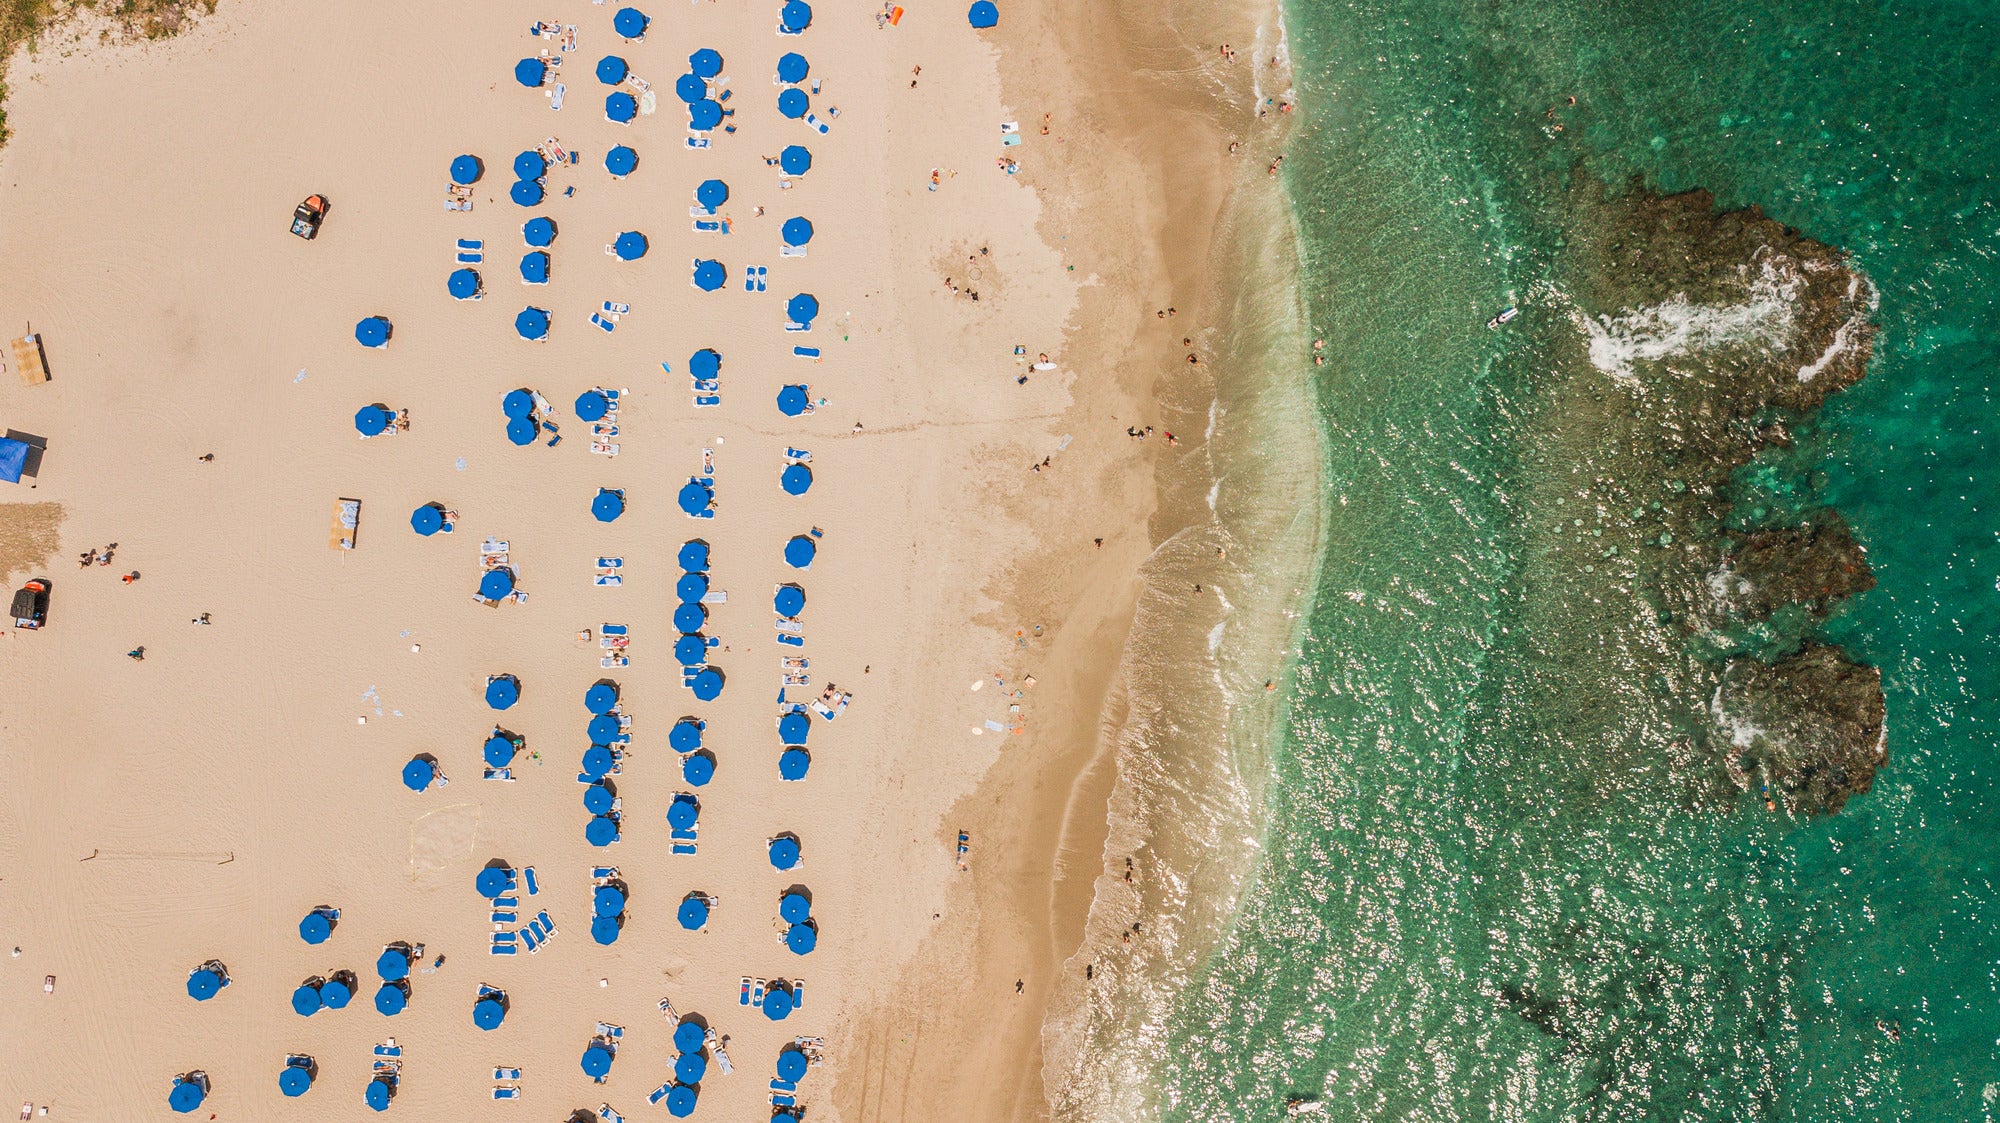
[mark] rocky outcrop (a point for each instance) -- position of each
(1811, 725)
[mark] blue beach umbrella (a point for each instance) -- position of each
(392, 964)
(691, 651)
(793, 102)
(683, 812)
(802, 307)
(518, 403)
(792, 67)
(596, 1061)
(620, 161)
(463, 284)
(689, 1037)
(620, 107)
(705, 363)
(335, 995)
(694, 498)
(698, 769)
(797, 231)
(604, 929)
(690, 617)
(707, 685)
(603, 728)
(680, 1101)
(796, 479)
(606, 900)
(600, 698)
(601, 831)
(630, 23)
(712, 193)
(704, 115)
(777, 1004)
(983, 14)
(709, 274)
(295, 1080)
(597, 761)
(498, 752)
(538, 231)
(690, 88)
(784, 853)
(607, 505)
(185, 1096)
(390, 1000)
(372, 332)
(427, 519)
(789, 600)
(693, 914)
(792, 1065)
(530, 164)
(496, 583)
(629, 246)
(305, 1000)
(793, 400)
(611, 70)
(487, 1014)
(522, 431)
(502, 691)
(531, 72)
(203, 984)
(796, 15)
(793, 764)
(532, 323)
(793, 729)
(690, 1067)
(795, 159)
(535, 267)
(801, 938)
(592, 405)
(418, 774)
(466, 170)
(597, 799)
(526, 192)
(315, 927)
(706, 62)
(377, 1094)
(685, 736)
(799, 551)
(492, 881)
(794, 908)
(693, 556)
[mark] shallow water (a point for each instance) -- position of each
(1484, 891)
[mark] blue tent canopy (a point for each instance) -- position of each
(390, 1000)
(690, 88)
(777, 1004)
(597, 799)
(604, 929)
(392, 964)
(526, 192)
(707, 685)
(799, 551)
(597, 761)
(492, 881)
(305, 1000)
(792, 1064)
(693, 914)
(498, 752)
(372, 332)
(792, 67)
(603, 728)
(795, 159)
(802, 307)
(487, 1013)
(683, 812)
(463, 284)
(535, 267)
(607, 505)
(685, 736)
(793, 729)
(596, 1061)
(601, 831)
(691, 651)
(335, 995)
(203, 984)
(712, 193)
(690, 1067)
(793, 102)
(185, 1096)
(689, 1037)
(801, 938)
(466, 170)
(705, 363)
(704, 115)
(496, 583)
(620, 107)
(530, 164)
(698, 769)
(532, 323)
(680, 1101)
(418, 774)
(612, 70)
(295, 1080)
(629, 22)
(796, 15)
(518, 402)
(796, 479)
(630, 246)
(522, 430)
(794, 908)
(600, 698)
(606, 900)
(788, 600)
(694, 498)
(706, 62)
(377, 1094)
(621, 160)
(315, 927)
(784, 853)
(793, 764)
(797, 231)
(793, 400)
(531, 72)
(427, 519)
(13, 459)
(502, 691)
(538, 231)
(983, 14)
(690, 617)
(709, 274)
(592, 405)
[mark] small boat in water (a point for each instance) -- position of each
(1505, 314)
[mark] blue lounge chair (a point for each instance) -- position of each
(703, 401)
(601, 322)
(547, 924)
(528, 875)
(806, 352)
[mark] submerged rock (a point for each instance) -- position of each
(1812, 724)
(1814, 565)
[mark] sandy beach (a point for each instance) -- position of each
(196, 804)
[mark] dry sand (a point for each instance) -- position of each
(224, 783)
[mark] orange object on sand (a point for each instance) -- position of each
(895, 16)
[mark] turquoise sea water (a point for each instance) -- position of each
(1483, 895)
